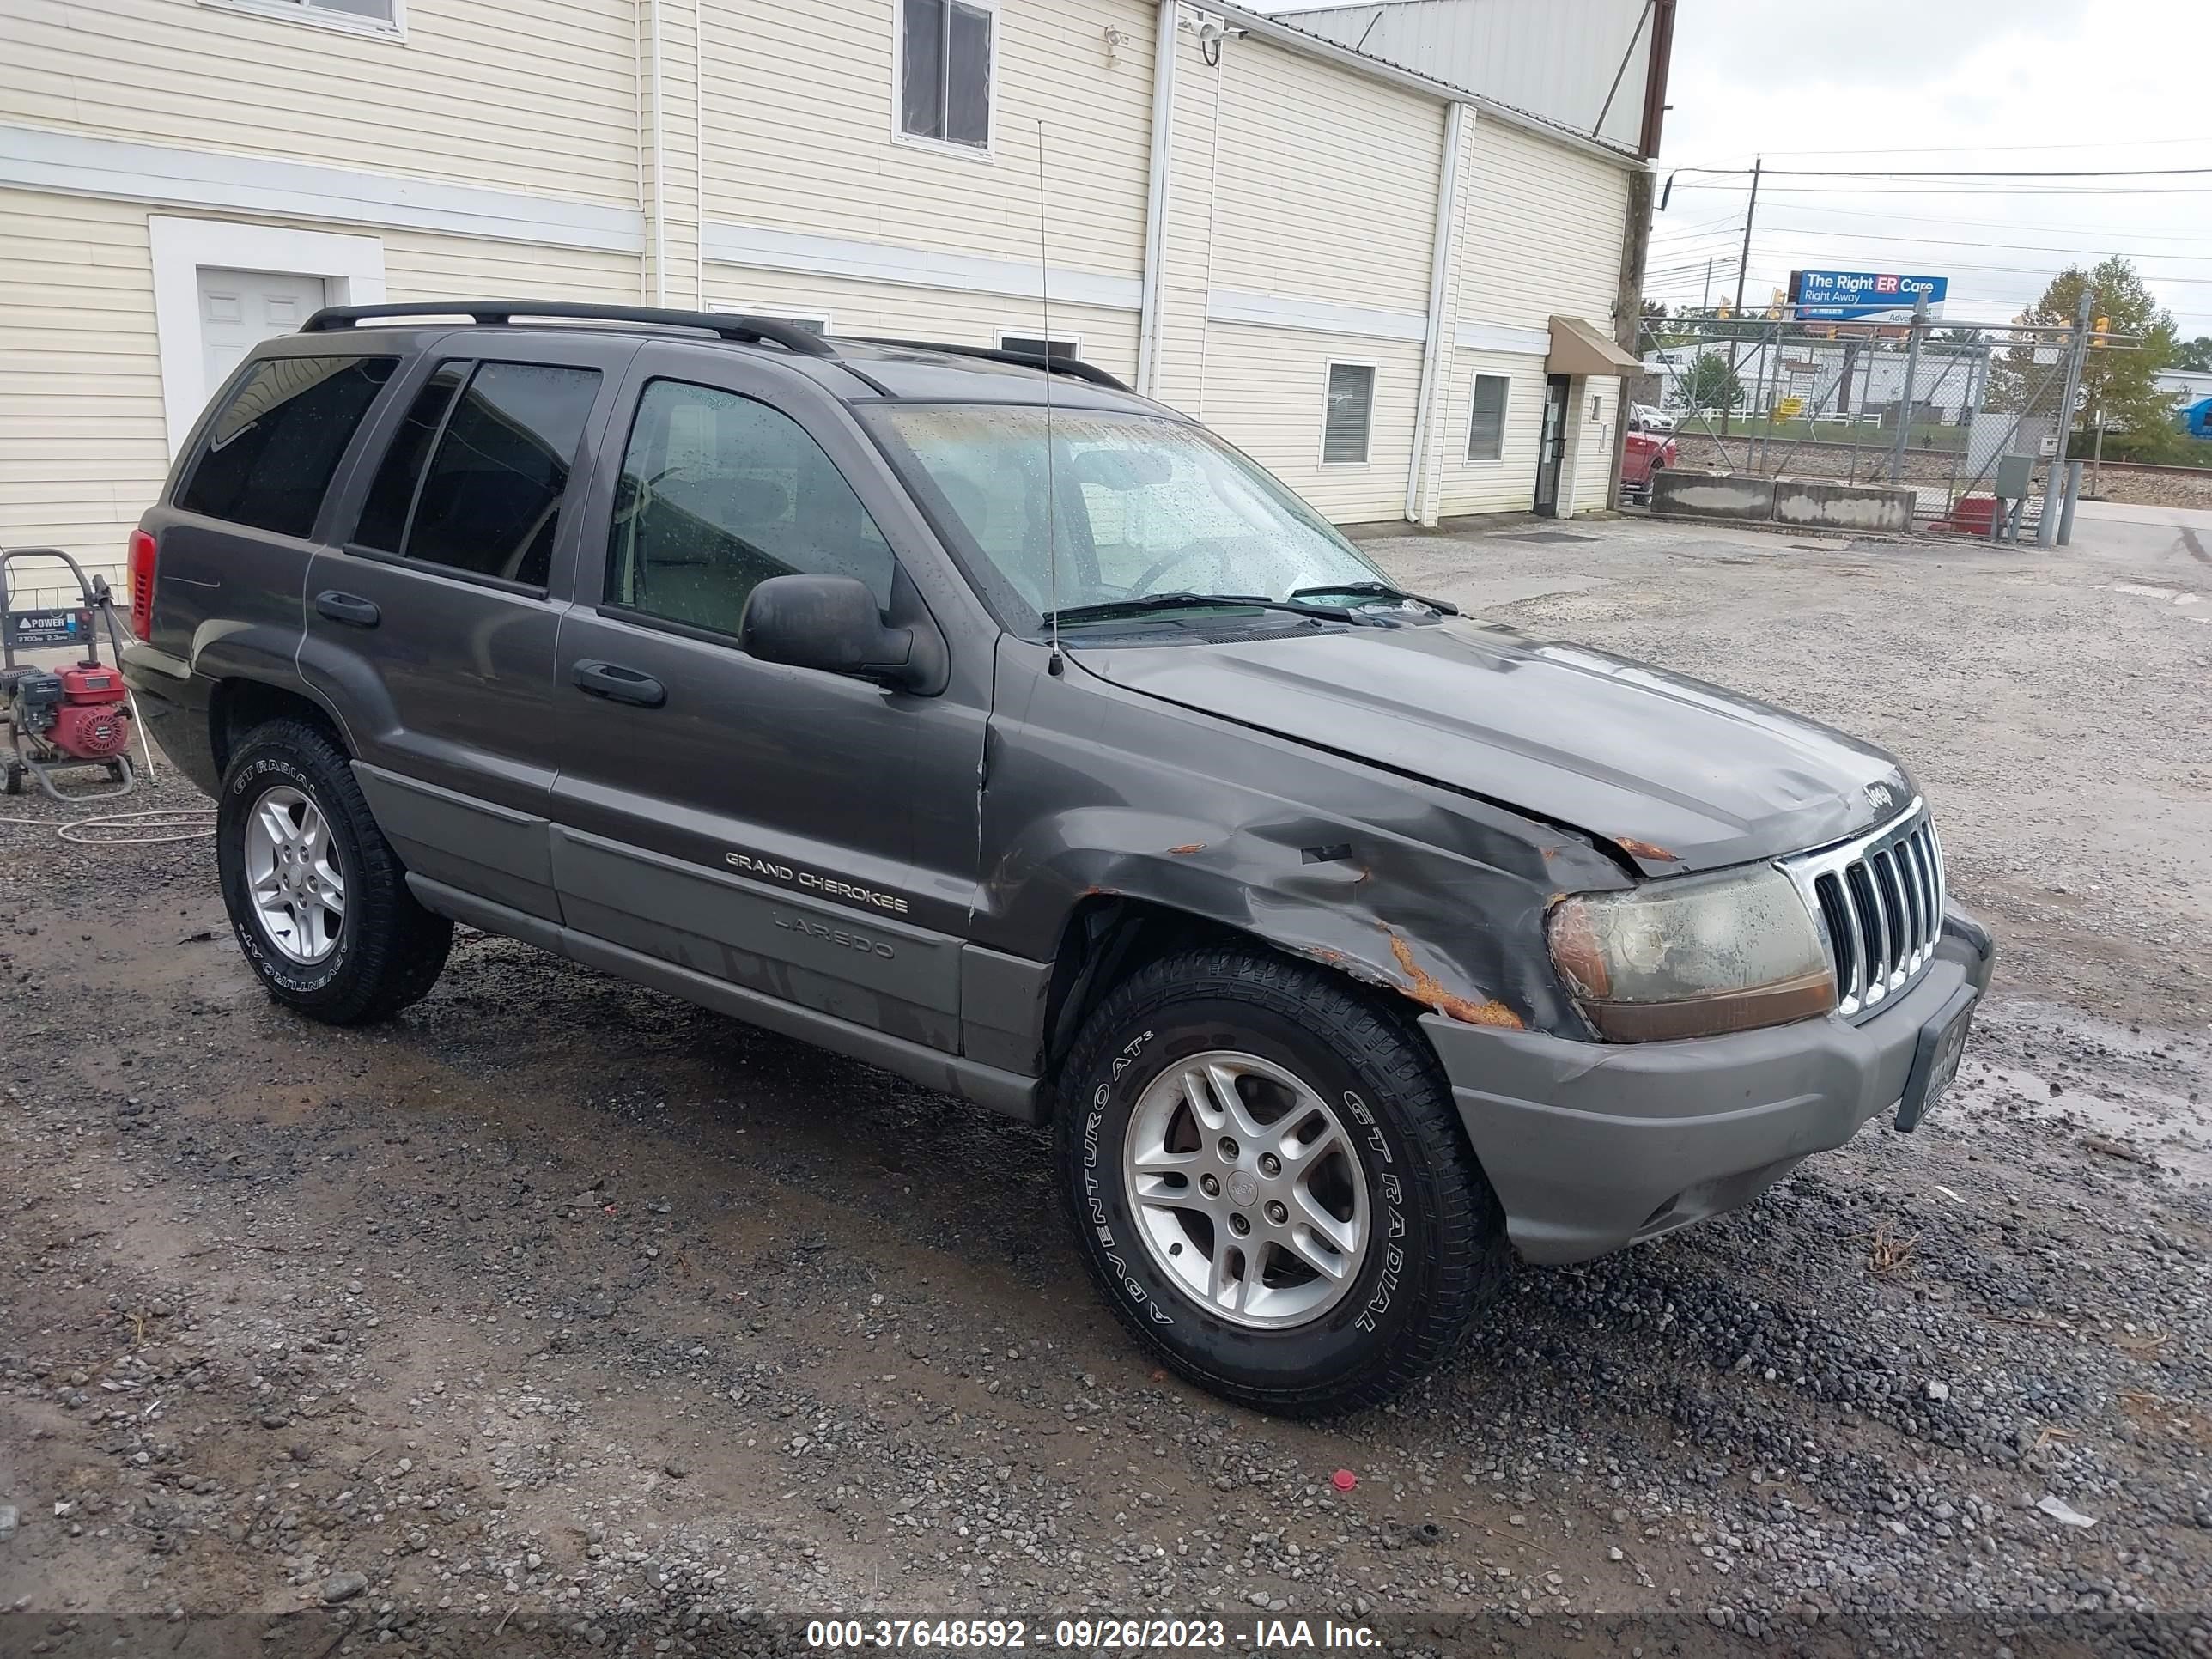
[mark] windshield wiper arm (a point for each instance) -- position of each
(1381, 591)
(1103, 610)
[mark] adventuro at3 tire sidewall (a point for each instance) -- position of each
(1345, 1338)
(241, 791)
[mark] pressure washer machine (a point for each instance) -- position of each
(65, 719)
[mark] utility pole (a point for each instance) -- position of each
(1750, 212)
(1705, 299)
(1912, 378)
(2046, 524)
(1742, 268)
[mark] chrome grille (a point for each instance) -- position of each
(1879, 900)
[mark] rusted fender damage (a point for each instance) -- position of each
(1413, 887)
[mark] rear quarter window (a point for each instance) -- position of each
(269, 454)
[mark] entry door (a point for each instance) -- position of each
(1552, 444)
(240, 308)
(790, 831)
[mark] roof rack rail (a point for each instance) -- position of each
(752, 330)
(1053, 364)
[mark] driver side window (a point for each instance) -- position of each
(718, 493)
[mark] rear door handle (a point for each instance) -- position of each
(619, 684)
(345, 608)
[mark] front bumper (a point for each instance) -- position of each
(1593, 1145)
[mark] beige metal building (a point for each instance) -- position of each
(1379, 279)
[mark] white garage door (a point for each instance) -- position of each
(239, 307)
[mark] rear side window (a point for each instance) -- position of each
(269, 456)
(499, 443)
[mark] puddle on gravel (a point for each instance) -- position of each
(2150, 1123)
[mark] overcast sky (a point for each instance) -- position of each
(1941, 84)
(2120, 84)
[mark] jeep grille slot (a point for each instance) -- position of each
(1879, 900)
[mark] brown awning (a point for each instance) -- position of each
(1581, 348)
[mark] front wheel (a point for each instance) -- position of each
(1268, 1183)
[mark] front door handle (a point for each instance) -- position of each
(620, 685)
(345, 608)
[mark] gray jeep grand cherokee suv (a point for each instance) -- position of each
(966, 714)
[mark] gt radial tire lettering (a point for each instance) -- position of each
(1094, 1192)
(1394, 1256)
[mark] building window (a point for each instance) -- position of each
(365, 16)
(1597, 408)
(945, 71)
(1349, 415)
(1485, 422)
(1037, 346)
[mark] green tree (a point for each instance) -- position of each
(2195, 353)
(1711, 383)
(2119, 382)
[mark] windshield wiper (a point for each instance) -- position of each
(1104, 610)
(1378, 590)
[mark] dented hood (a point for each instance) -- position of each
(1677, 773)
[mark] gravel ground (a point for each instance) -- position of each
(558, 1316)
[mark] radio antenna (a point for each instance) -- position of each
(1056, 664)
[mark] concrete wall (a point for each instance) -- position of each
(1809, 503)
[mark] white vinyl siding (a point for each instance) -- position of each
(824, 76)
(1542, 232)
(1509, 484)
(1325, 187)
(897, 310)
(83, 448)
(1265, 395)
(542, 97)
(423, 266)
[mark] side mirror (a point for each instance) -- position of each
(829, 622)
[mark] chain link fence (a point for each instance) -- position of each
(1919, 405)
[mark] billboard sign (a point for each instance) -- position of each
(1864, 297)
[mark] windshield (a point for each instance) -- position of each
(1141, 505)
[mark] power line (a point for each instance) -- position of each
(1974, 149)
(1959, 172)
(1967, 190)
(1966, 241)
(2005, 224)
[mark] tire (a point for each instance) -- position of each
(1434, 1247)
(386, 951)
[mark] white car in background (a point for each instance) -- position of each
(1645, 417)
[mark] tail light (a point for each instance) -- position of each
(143, 553)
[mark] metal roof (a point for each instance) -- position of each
(1282, 29)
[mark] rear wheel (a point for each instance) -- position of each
(317, 897)
(1268, 1183)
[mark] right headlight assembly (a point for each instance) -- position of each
(1691, 956)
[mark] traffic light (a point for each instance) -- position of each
(2098, 331)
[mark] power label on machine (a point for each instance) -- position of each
(30, 627)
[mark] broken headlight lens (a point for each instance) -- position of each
(1693, 956)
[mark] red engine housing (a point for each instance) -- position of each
(93, 722)
(91, 684)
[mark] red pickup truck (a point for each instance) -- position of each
(1645, 454)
